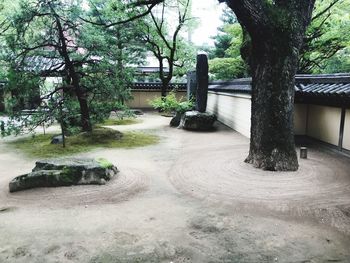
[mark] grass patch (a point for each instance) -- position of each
(40, 145)
(112, 122)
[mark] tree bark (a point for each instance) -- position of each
(165, 85)
(276, 29)
(84, 109)
(272, 137)
(165, 78)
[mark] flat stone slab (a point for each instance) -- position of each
(65, 172)
(198, 121)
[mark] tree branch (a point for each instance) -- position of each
(325, 10)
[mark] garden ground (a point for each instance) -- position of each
(189, 198)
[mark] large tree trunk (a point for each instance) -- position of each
(276, 29)
(274, 63)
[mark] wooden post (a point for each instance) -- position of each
(303, 152)
(341, 129)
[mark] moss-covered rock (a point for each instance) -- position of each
(65, 172)
(198, 121)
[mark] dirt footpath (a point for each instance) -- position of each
(189, 198)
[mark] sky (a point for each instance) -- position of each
(208, 13)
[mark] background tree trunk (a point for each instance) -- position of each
(165, 86)
(84, 110)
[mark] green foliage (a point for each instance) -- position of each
(39, 146)
(327, 44)
(95, 56)
(104, 163)
(226, 62)
(25, 90)
(223, 39)
(170, 104)
(326, 47)
(339, 63)
(227, 68)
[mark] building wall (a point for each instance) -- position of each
(300, 119)
(319, 122)
(346, 138)
(233, 110)
(324, 123)
(141, 98)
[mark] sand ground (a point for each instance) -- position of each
(190, 198)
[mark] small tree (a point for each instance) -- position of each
(48, 30)
(48, 38)
(165, 42)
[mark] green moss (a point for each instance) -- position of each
(70, 175)
(40, 146)
(104, 163)
(112, 122)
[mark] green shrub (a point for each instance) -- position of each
(171, 105)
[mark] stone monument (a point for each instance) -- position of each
(202, 82)
(200, 120)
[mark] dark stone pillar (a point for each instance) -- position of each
(202, 82)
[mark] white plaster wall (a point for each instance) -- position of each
(234, 110)
(324, 123)
(300, 119)
(319, 122)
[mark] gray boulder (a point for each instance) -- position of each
(65, 172)
(198, 121)
(176, 120)
(137, 111)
